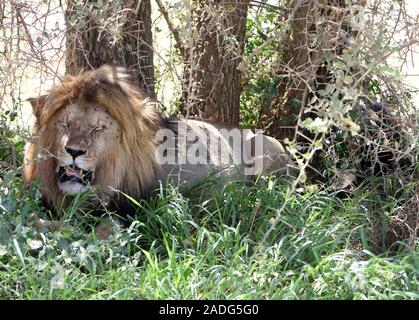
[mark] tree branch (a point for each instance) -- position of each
(13, 150)
(172, 27)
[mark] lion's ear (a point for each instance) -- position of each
(38, 105)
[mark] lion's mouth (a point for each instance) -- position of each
(74, 174)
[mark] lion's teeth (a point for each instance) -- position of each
(73, 171)
(70, 172)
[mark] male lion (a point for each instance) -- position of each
(97, 130)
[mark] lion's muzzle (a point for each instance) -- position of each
(74, 174)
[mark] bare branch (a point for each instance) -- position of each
(173, 29)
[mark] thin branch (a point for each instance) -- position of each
(13, 149)
(28, 34)
(172, 27)
(242, 66)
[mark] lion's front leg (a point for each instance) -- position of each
(104, 229)
(39, 223)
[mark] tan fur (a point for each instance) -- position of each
(129, 166)
(126, 158)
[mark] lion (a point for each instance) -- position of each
(97, 130)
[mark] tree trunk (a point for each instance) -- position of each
(211, 80)
(107, 33)
(304, 69)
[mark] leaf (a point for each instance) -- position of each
(3, 250)
(81, 24)
(322, 92)
(318, 144)
(317, 125)
(18, 251)
(34, 244)
(63, 244)
(57, 281)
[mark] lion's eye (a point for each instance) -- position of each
(99, 129)
(63, 124)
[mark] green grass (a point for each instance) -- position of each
(322, 248)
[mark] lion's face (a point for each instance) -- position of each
(84, 139)
(94, 128)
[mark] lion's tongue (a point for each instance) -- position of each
(69, 172)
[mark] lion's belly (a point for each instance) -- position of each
(188, 176)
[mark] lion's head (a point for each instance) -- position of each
(93, 129)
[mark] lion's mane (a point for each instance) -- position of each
(132, 167)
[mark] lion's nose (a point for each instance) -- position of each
(75, 152)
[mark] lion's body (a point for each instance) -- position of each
(97, 129)
(216, 146)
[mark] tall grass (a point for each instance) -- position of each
(323, 248)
